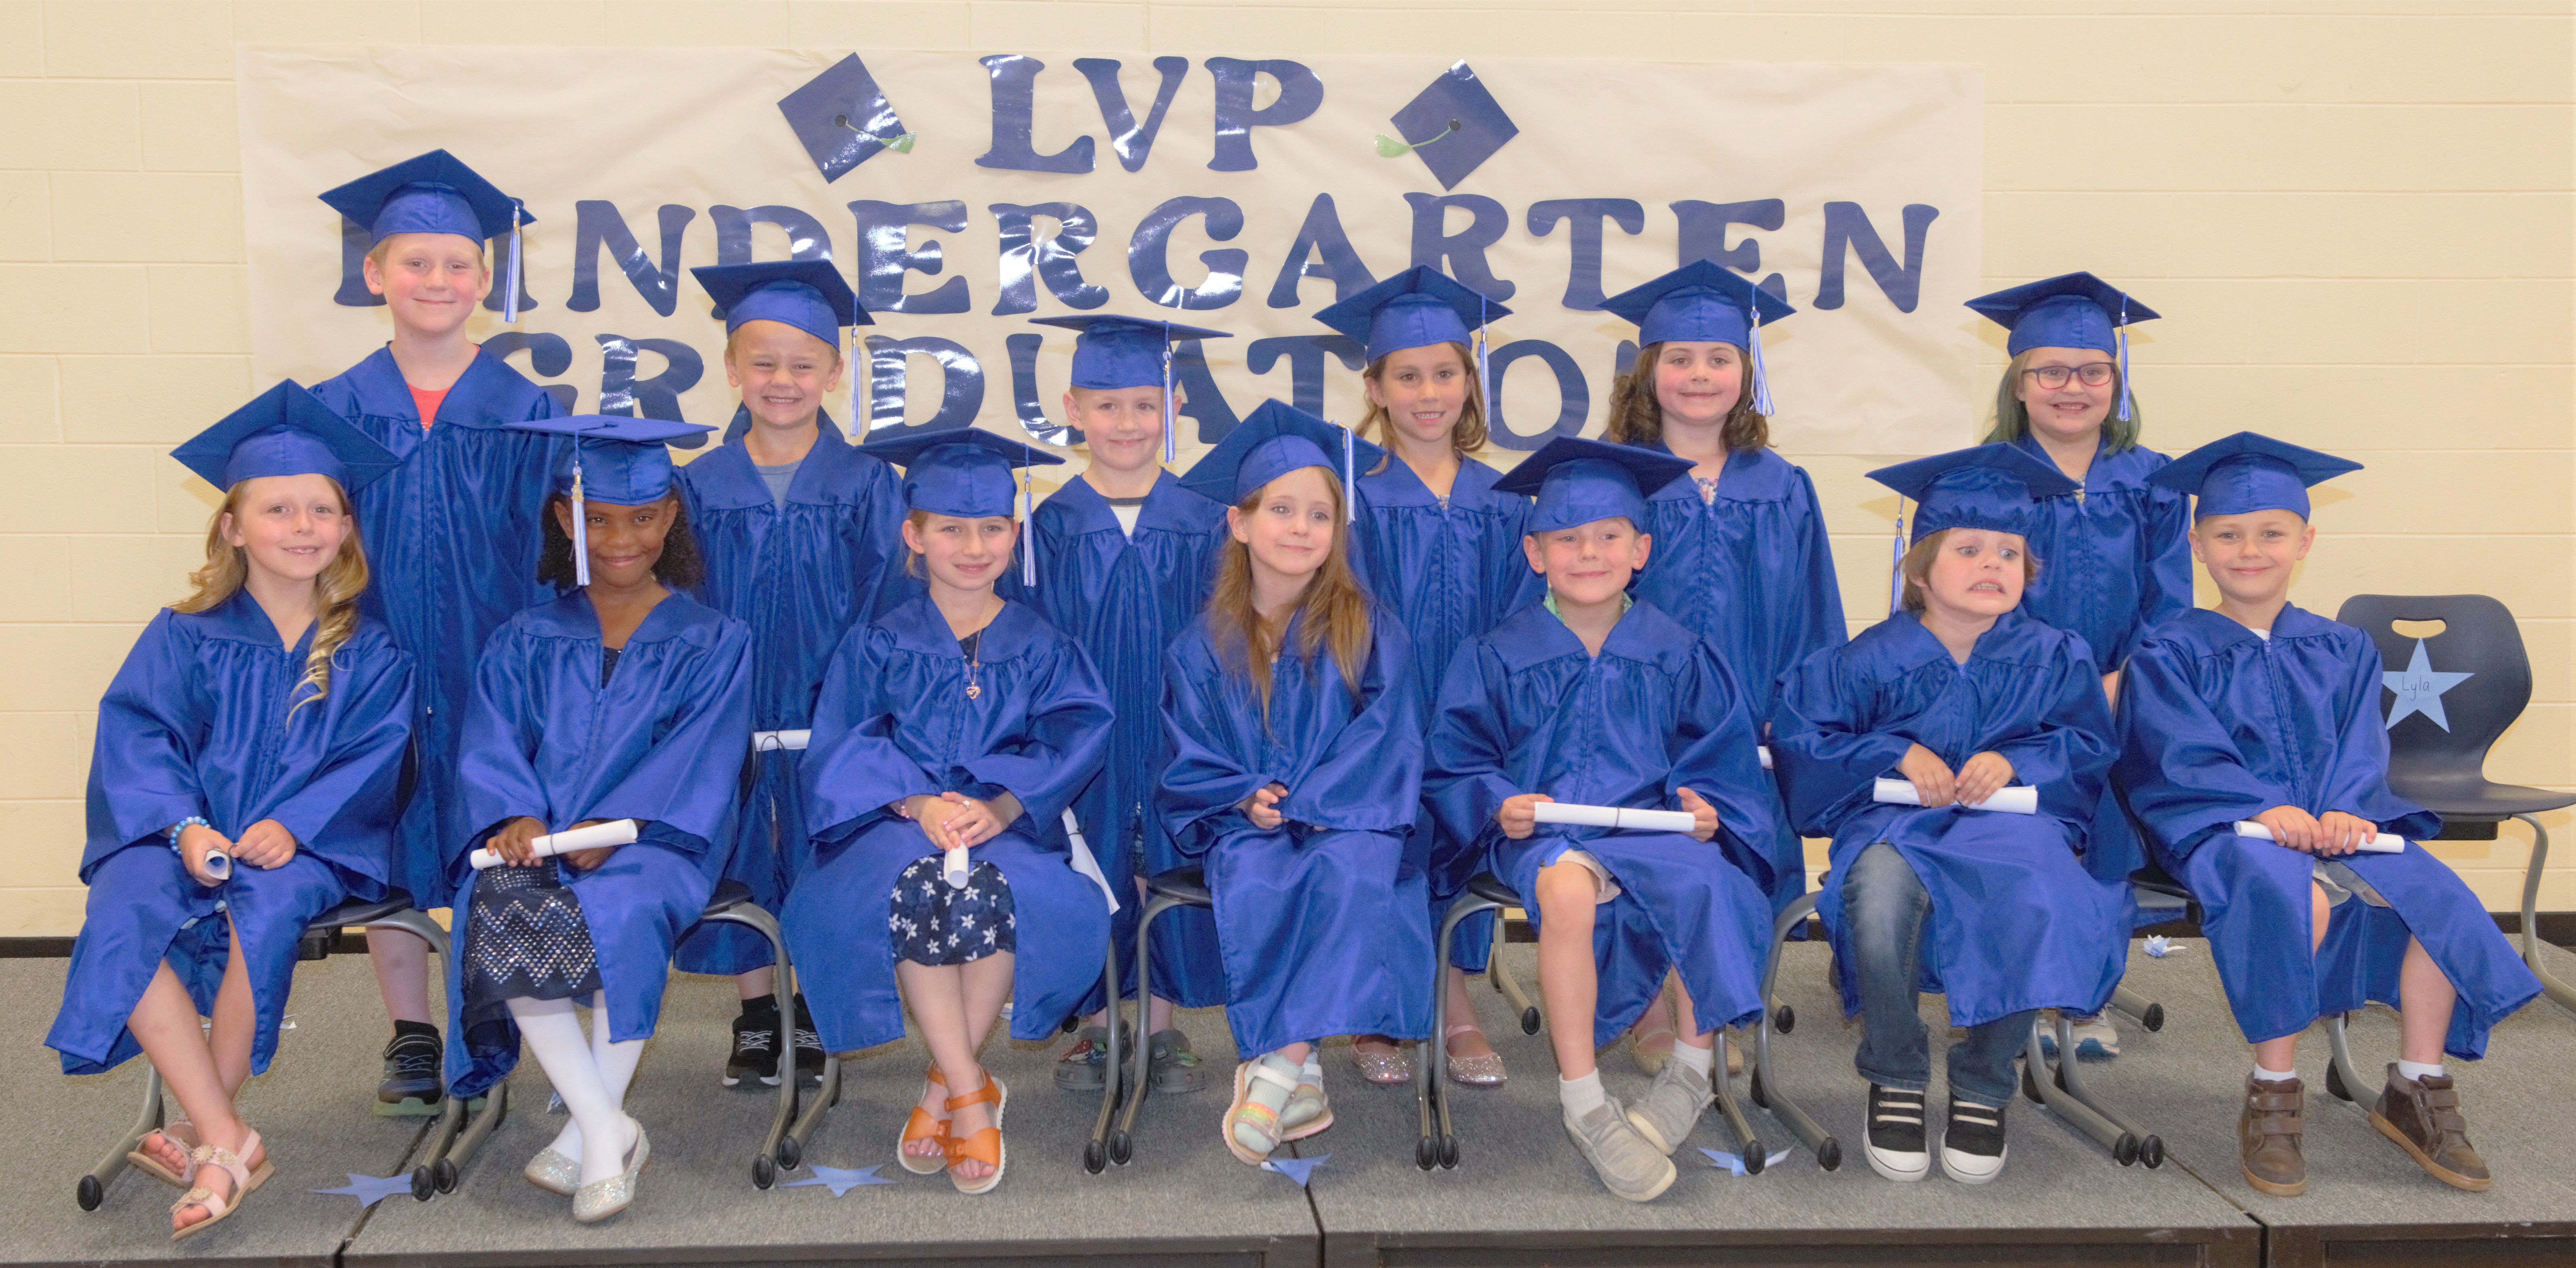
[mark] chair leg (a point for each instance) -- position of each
(1437, 1141)
(92, 1188)
(2149, 1013)
(2344, 1079)
(1766, 1080)
(2066, 1094)
(1095, 1152)
(1501, 976)
(1122, 1142)
(1723, 1090)
(2549, 982)
(783, 1148)
(454, 1137)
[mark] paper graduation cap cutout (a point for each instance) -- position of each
(2250, 472)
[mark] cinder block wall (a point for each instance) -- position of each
(2360, 214)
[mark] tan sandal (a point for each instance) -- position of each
(921, 1126)
(246, 1181)
(984, 1146)
(141, 1159)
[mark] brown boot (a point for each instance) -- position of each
(2423, 1117)
(2267, 1137)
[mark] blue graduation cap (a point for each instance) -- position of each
(1114, 352)
(965, 471)
(612, 459)
(437, 193)
(2071, 310)
(1276, 439)
(1453, 126)
(1702, 302)
(1416, 308)
(1579, 481)
(1983, 486)
(843, 119)
(806, 294)
(2250, 472)
(285, 431)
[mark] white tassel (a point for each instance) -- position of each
(580, 523)
(1171, 443)
(1350, 479)
(1484, 362)
(1896, 560)
(510, 275)
(1761, 380)
(1028, 520)
(2122, 336)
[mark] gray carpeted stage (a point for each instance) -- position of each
(1519, 1196)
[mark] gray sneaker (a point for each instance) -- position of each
(1628, 1166)
(1670, 1108)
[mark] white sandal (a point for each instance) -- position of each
(1253, 1116)
(218, 1209)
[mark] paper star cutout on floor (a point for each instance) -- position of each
(1733, 1164)
(370, 1190)
(1297, 1169)
(838, 1180)
(2161, 946)
(2419, 689)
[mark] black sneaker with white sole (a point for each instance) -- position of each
(1972, 1147)
(1896, 1134)
(755, 1049)
(809, 1046)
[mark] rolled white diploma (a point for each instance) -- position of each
(219, 865)
(766, 741)
(1764, 752)
(1614, 817)
(953, 867)
(613, 832)
(2384, 843)
(2020, 799)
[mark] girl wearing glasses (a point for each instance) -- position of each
(2114, 560)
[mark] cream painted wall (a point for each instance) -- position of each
(2359, 216)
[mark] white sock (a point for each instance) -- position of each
(2274, 1076)
(2418, 1070)
(1581, 1096)
(1703, 1060)
(1314, 1068)
(553, 1033)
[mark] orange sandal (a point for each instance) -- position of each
(984, 1146)
(921, 1126)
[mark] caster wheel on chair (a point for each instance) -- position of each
(1753, 1159)
(444, 1175)
(1784, 1020)
(1529, 1020)
(90, 1193)
(791, 1153)
(764, 1173)
(1122, 1147)
(2151, 1151)
(1761, 1095)
(424, 1186)
(1829, 1155)
(1448, 1153)
(1095, 1156)
(2155, 1018)
(1426, 1153)
(2124, 1151)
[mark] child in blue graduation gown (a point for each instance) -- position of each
(1296, 773)
(623, 700)
(262, 720)
(2260, 712)
(1440, 548)
(800, 536)
(2113, 550)
(950, 736)
(1594, 699)
(1959, 695)
(1124, 556)
(453, 534)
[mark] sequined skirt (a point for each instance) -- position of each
(525, 939)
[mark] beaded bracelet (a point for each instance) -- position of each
(192, 821)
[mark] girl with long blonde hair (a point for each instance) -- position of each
(243, 782)
(1295, 777)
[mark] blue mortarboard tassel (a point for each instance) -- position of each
(580, 522)
(1896, 559)
(1350, 478)
(510, 275)
(1753, 353)
(1171, 444)
(2122, 334)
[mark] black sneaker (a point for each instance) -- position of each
(809, 1045)
(413, 1086)
(755, 1049)
(1895, 1134)
(1972, 1148)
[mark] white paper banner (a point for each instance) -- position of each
(1234, 192)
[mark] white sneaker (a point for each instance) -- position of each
(1972, 1149)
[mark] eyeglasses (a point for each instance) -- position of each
(2054, 377)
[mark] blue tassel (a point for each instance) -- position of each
(510, 275)
(2122, 334)
(580, 522)
(1171, 443)
(1028, 520)
(1350, 481)
(1896, 561)
(1761, 380)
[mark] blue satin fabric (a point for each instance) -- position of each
(1124, 600)
(1752, 573)
(1448, 573)
(2016, 922)
(2220, 725)
(2111, 563)
(802, 577)
(1319, 922)
(1527, 710)
(658, 743)
(200, 720)
(894, 721)
(452, 539)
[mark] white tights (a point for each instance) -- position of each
(590, 1074)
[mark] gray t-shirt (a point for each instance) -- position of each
(779, 478)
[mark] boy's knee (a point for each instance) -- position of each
(1567, 891)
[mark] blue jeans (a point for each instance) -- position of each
(1884, 903)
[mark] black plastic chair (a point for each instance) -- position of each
(2443, 767)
